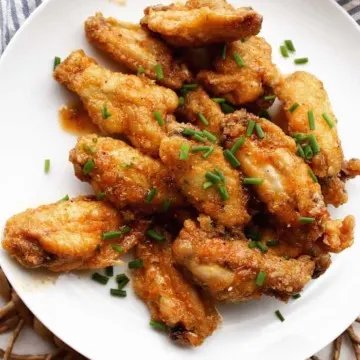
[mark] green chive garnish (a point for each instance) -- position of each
(314, 144)
(220, 174)
(238, 144)
(284, 51)
(117, 248)
(223, 52)
(290, 46)
(270, 97)
(140, 70)
(215, 179)
(159, 72)
(189, 132)
(253, 181)
(226, 108)
(101, 279)
(207, 185)
(209, 136)
(261, 276)
(231, 159)
(207, 153)
(300, 151)
(286, 257)
(250, 128)
(311, 119)
(159, 118)
(264, 114)
(100, 196)
(198, 137)
(121, 280)
(259, 131)
(301, 61)
(184, 152)
(313, 176)
(181, 101)
(306, 220)
(109, 271)
(155, 235)
(195, 149)
(89, 149)
(150, 195)
(326, 117)
(296, 296)
(272, 243)
(190, 86)
(104, 112)
(89, 165)
(203, 119)
(135, 264)
(293, 107)
(158, 325)
(239, 61)
(279, 315)
(118, 292)
(115, 234)
(65, 198)
(253, 235)
(167, 204)
(57, 61)
(244, 39)
(262, 247)
(252, 244)
(218, 100)
(223, 192)
(308, 152)
(47, 166)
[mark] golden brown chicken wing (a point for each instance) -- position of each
(306, 101)
(204, 176)
(123, 175)
(201, 22)
(67, 235)
(189, 315)
(231, 271)
(118, 103)
(137, 49)
(243, 73)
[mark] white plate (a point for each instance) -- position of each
(82, 312)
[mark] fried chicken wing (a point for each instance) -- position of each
(308, 92)
(189, 315)
(201, 22)
(67, 235)
(125, 176)
(118, 103)
(135, 47)
(229, 269)
(244, 73)
(225, 201)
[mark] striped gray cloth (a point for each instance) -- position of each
(14, 12)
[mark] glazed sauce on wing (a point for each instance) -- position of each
(75, 120)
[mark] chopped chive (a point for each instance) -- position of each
(264, 114)
(259, 131)
(199, 138)
(109, 271)
(252, 244)
(270, 97)
(203, 119)
(159, 118)
(313, 143)
(293, 107)
(261, 276)
(300, 151)
(118, 292)
(47, 166)
(308, 152)
(220, 174)
(226, 108)
(279, 315)
(253, 181)
(65, 198)
(188, 132)
(250, 128)
(244, 39)
(115, 234)
(296, 296)
(190, 86)
(122, 278)
(155, 235)
(313, 176)
(223, 192)
(89, 149)
(159, 72)
(272, 243)
(218, 100)
(253, 235)
(300, 137)
(100, 196)
(195, 149)
(326, 117)
(57, 61)
(181, 100)
(150, 195)
(311, 119)
(140, 70)
(215, 179)
(286, 257)
(284, 51)
(104, 112)
(135, 264)
(290, 46)
(306, 220)
(158, 325)
(209, 136)
(206, 154)
(101, 279)
(89, 165)
(223, 52)
(184, 152)
(167, 204)
(239, 61)
(238, 144)
(117, 248)
(301, 61)
(262, 247)
(207, 185)
(230, 157)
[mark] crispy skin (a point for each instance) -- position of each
(124, 174)
(226, 266)
(67, 235)
(350, 169)
(134, 46)
(198, 101)
(306, 90)
(171, 299)
(288, 190)
(333, 190)
(201, 22)
(243, 85)
(130, 100)
(190, 177)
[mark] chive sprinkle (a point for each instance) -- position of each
(158, 325)
(207, 153)
(209, 136)
(296, 296)
(181, 101)
(286, 257)
(218, 100)
(261, 276)
(195, 149)
(250, 128)
(109, 271)
(326, 117)
(279, 315)
(270, 97)
(293, 107)
(220, 174)
(301, 61)
(167, 204)
(47, 166)
(308, 152)
(238, 144)
(253, 181)
(231, 159)
(289, 45)
(262, 247)
(184, 152)
(117, 248)
(190, 86)
(300, 151)
(155, 235)
(89, 165)
(159, 118)
(159, 72)
(223, 52)
(264, 114)
(135, 264)
(252, 244)
(239, 61)
(189, 132)
(223, 192)
(150, 195)
(65, 198)
(226, 108)
(101, 279)
(313, 143)
(140, 70)
(115, 234)
(284, 51)
(118, 292)
(104, 112)
(311, 119)
(313, 176)
(207, 185)
(57, 61)
(215, 179)
(272, 243)
(89, 149)
(203, 119)
(198, 137)
(306, 220)
(100, 196)
(253, 235)
(121, 280)
(259, 131)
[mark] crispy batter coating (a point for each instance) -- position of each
(123, 174)
(287, 189)
(350, 169)
(134, 47)
(306, 90)
(198, 101)
(201, 22)
(190, 177)
(67, 235)
(228, 268)
(245, 84)
(172, 300)
(333, 190)
(118, 103)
